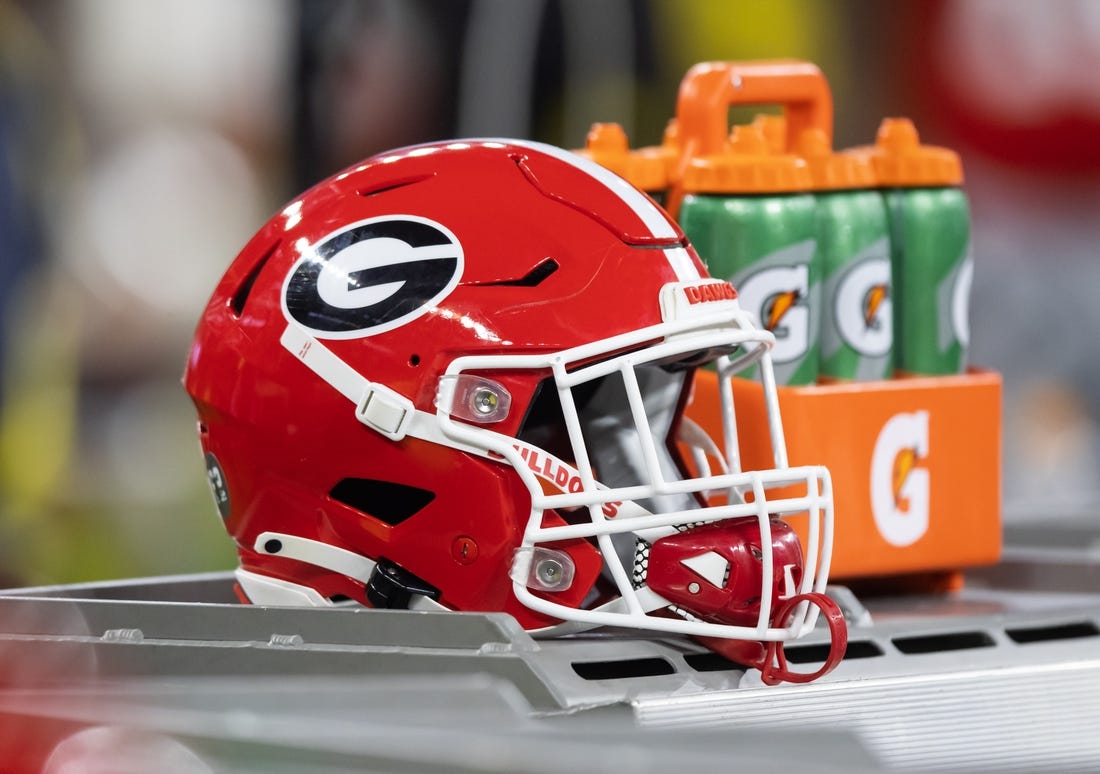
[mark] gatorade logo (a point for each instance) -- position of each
(863, 309)
(900, 484)
(372, 276)
(777, 296)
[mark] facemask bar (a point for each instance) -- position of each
(665, 341)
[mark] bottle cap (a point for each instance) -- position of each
(900, 161)
(646, 168)
(747, 165)
(833, 171)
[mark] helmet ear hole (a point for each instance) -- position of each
(386, 501)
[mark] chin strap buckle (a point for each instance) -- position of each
(385, 411)
(392, 587)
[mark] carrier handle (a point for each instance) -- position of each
(710, 89)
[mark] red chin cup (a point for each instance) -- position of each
(716, 571)
(770, 658)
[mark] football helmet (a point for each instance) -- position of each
(454, 377)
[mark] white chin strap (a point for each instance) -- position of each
(266, 590)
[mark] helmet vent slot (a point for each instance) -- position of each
(541, 271)
(245, 289)
(390, 185)
(389, 502)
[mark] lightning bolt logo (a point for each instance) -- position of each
(781, 304)
(862, 315)
(871, 304)
(904, 464)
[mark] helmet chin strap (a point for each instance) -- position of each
(319, 554)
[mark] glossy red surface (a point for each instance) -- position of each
(736, 599)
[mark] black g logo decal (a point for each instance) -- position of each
(372, 276)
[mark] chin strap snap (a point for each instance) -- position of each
(770, 658)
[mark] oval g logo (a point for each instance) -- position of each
(900, 487)
(372, 276)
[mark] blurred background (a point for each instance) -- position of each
(142, 142)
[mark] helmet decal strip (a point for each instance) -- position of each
(654, 218)
(682, 264)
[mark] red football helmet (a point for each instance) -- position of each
(453, 377)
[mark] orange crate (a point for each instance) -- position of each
(915, 464)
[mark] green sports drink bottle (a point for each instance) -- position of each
(857, 338)
(749, 214)
(745, 202)
(929, 249)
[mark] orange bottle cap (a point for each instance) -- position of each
(900, 161)
(747, 165)
(833, 171)
(647, 168)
